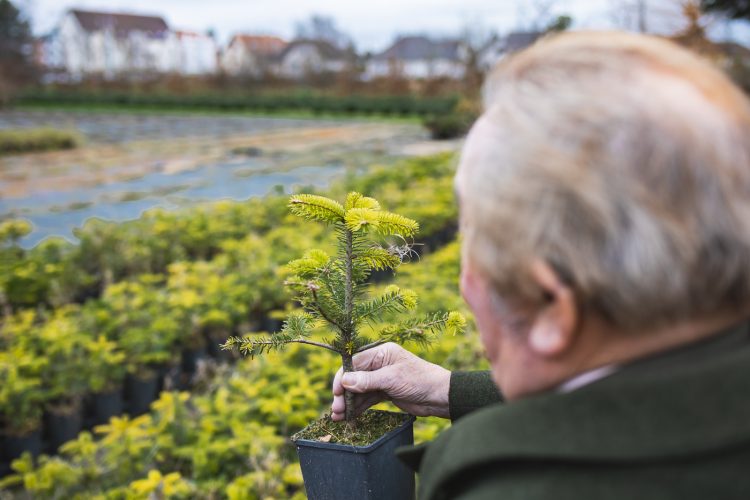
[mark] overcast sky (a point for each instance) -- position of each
(371, 24)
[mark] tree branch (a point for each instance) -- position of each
(321, 311)
(299, 341)
(370, 345)
(381, 306)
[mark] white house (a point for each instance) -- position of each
(302, 58)
(193, 53)
(417, 57)
(111, 45)
(251, 55)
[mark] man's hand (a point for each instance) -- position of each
(391, 373)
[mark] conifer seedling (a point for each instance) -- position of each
(333, 290)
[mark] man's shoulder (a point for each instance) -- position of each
(634, 418)
(723, 476)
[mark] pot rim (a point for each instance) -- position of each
(408, 421)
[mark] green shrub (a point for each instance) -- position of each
(40, 139)
(448, 126)
(21, 393)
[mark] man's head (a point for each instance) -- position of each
(606, 185)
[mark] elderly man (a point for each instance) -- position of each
(605, 213)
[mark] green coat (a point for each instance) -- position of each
(675, 426)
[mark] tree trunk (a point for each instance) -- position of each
(348, 329)
(346, 359)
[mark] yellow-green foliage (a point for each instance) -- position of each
(37, 139)
(168, 275)
(231, 442)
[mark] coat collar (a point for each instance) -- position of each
(689, 402)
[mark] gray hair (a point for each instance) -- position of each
(624, 162)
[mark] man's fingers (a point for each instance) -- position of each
(338, 390)
(361, 382)
(373, 359)
(338, 405)
(361, 403)
(372, 385)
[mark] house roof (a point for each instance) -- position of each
(421, 47)
(325, 49)
(122, 24)
(260, 44)
(519, 40)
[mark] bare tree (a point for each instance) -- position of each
(666, 17)
(324, 28)
(16, 64)
(630, 14)
(476, 40)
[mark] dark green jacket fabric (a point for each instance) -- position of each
(470, 391)
(675, 426)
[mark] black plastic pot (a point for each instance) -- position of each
(340, 472)
(61, 427)
(270, 325)
(15, 446)
(189, 360)
(140, 392)
(169, 377)
(106, 405)
(214, 350)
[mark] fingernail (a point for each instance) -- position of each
(349, 379)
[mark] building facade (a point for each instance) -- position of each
(113, 45)
(418, 57)
(251, 55)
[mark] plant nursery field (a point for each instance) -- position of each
(109, 344)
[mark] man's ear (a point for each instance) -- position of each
(554, 329)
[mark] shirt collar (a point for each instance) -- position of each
(586, 378)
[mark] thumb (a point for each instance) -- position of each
(361, 382)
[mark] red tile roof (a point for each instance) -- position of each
(261, 44)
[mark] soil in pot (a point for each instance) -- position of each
(62, 425)
(140, 392)
(339, 461)
(106, 405)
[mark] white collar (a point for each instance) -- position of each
(586, 378)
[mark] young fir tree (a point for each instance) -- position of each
(333, 289)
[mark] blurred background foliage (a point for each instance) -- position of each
(140, 299)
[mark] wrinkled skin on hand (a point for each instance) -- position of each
(391, 373)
